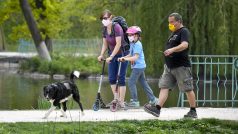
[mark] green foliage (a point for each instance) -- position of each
(57, 15)
(8, 9)
(31, 65)
(35, 63)
(126, 127)
(43, 103)
(43, 67)
(62, 65)
(54, 18)
(212, 23)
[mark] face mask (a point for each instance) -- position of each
(172, 27)
(131, 38)
(106, 22)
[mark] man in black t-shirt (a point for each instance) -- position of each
(177, 68)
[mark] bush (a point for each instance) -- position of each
(44, 67)
(34, 64)
(62, 65)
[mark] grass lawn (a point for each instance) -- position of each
(124, 127)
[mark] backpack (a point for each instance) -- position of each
(122, 22)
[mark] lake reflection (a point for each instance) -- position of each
(19, 92)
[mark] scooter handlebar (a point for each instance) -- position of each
(122, 60)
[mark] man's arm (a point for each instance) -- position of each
(179, 48)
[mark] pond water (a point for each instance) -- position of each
(20, 92)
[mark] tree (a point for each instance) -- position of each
(212, 23)
(48, 41)
(55, 19)
(39, 43)
(2, 39)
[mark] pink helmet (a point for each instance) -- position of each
(133, 30)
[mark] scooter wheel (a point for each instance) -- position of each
(95, 107)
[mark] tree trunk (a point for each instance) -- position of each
(48, 43)
(39, 43)
(2, 39)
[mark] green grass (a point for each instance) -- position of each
(42, 103)
(125, 127)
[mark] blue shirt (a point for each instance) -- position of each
(136, 48)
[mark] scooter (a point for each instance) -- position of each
(99, 102)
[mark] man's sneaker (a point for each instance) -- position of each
(133, 104)
(191, 114)
(154, 102)
(152, 109)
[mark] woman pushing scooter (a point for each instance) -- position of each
(113, 39)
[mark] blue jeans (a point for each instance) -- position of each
(113, 70)
(138, 74)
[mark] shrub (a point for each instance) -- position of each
(34, 64)
(62, 65)
(44, 67)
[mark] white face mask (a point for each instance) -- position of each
(131, 38)
(106, 22)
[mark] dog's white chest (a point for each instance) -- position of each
(51, 101)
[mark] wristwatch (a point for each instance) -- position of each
(111, 56)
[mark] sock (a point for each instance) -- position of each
(116, 96)
(193, 108)
(158, 107)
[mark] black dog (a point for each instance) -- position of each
(58, 93)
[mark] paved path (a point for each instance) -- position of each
(17, 54)
(106, 115)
